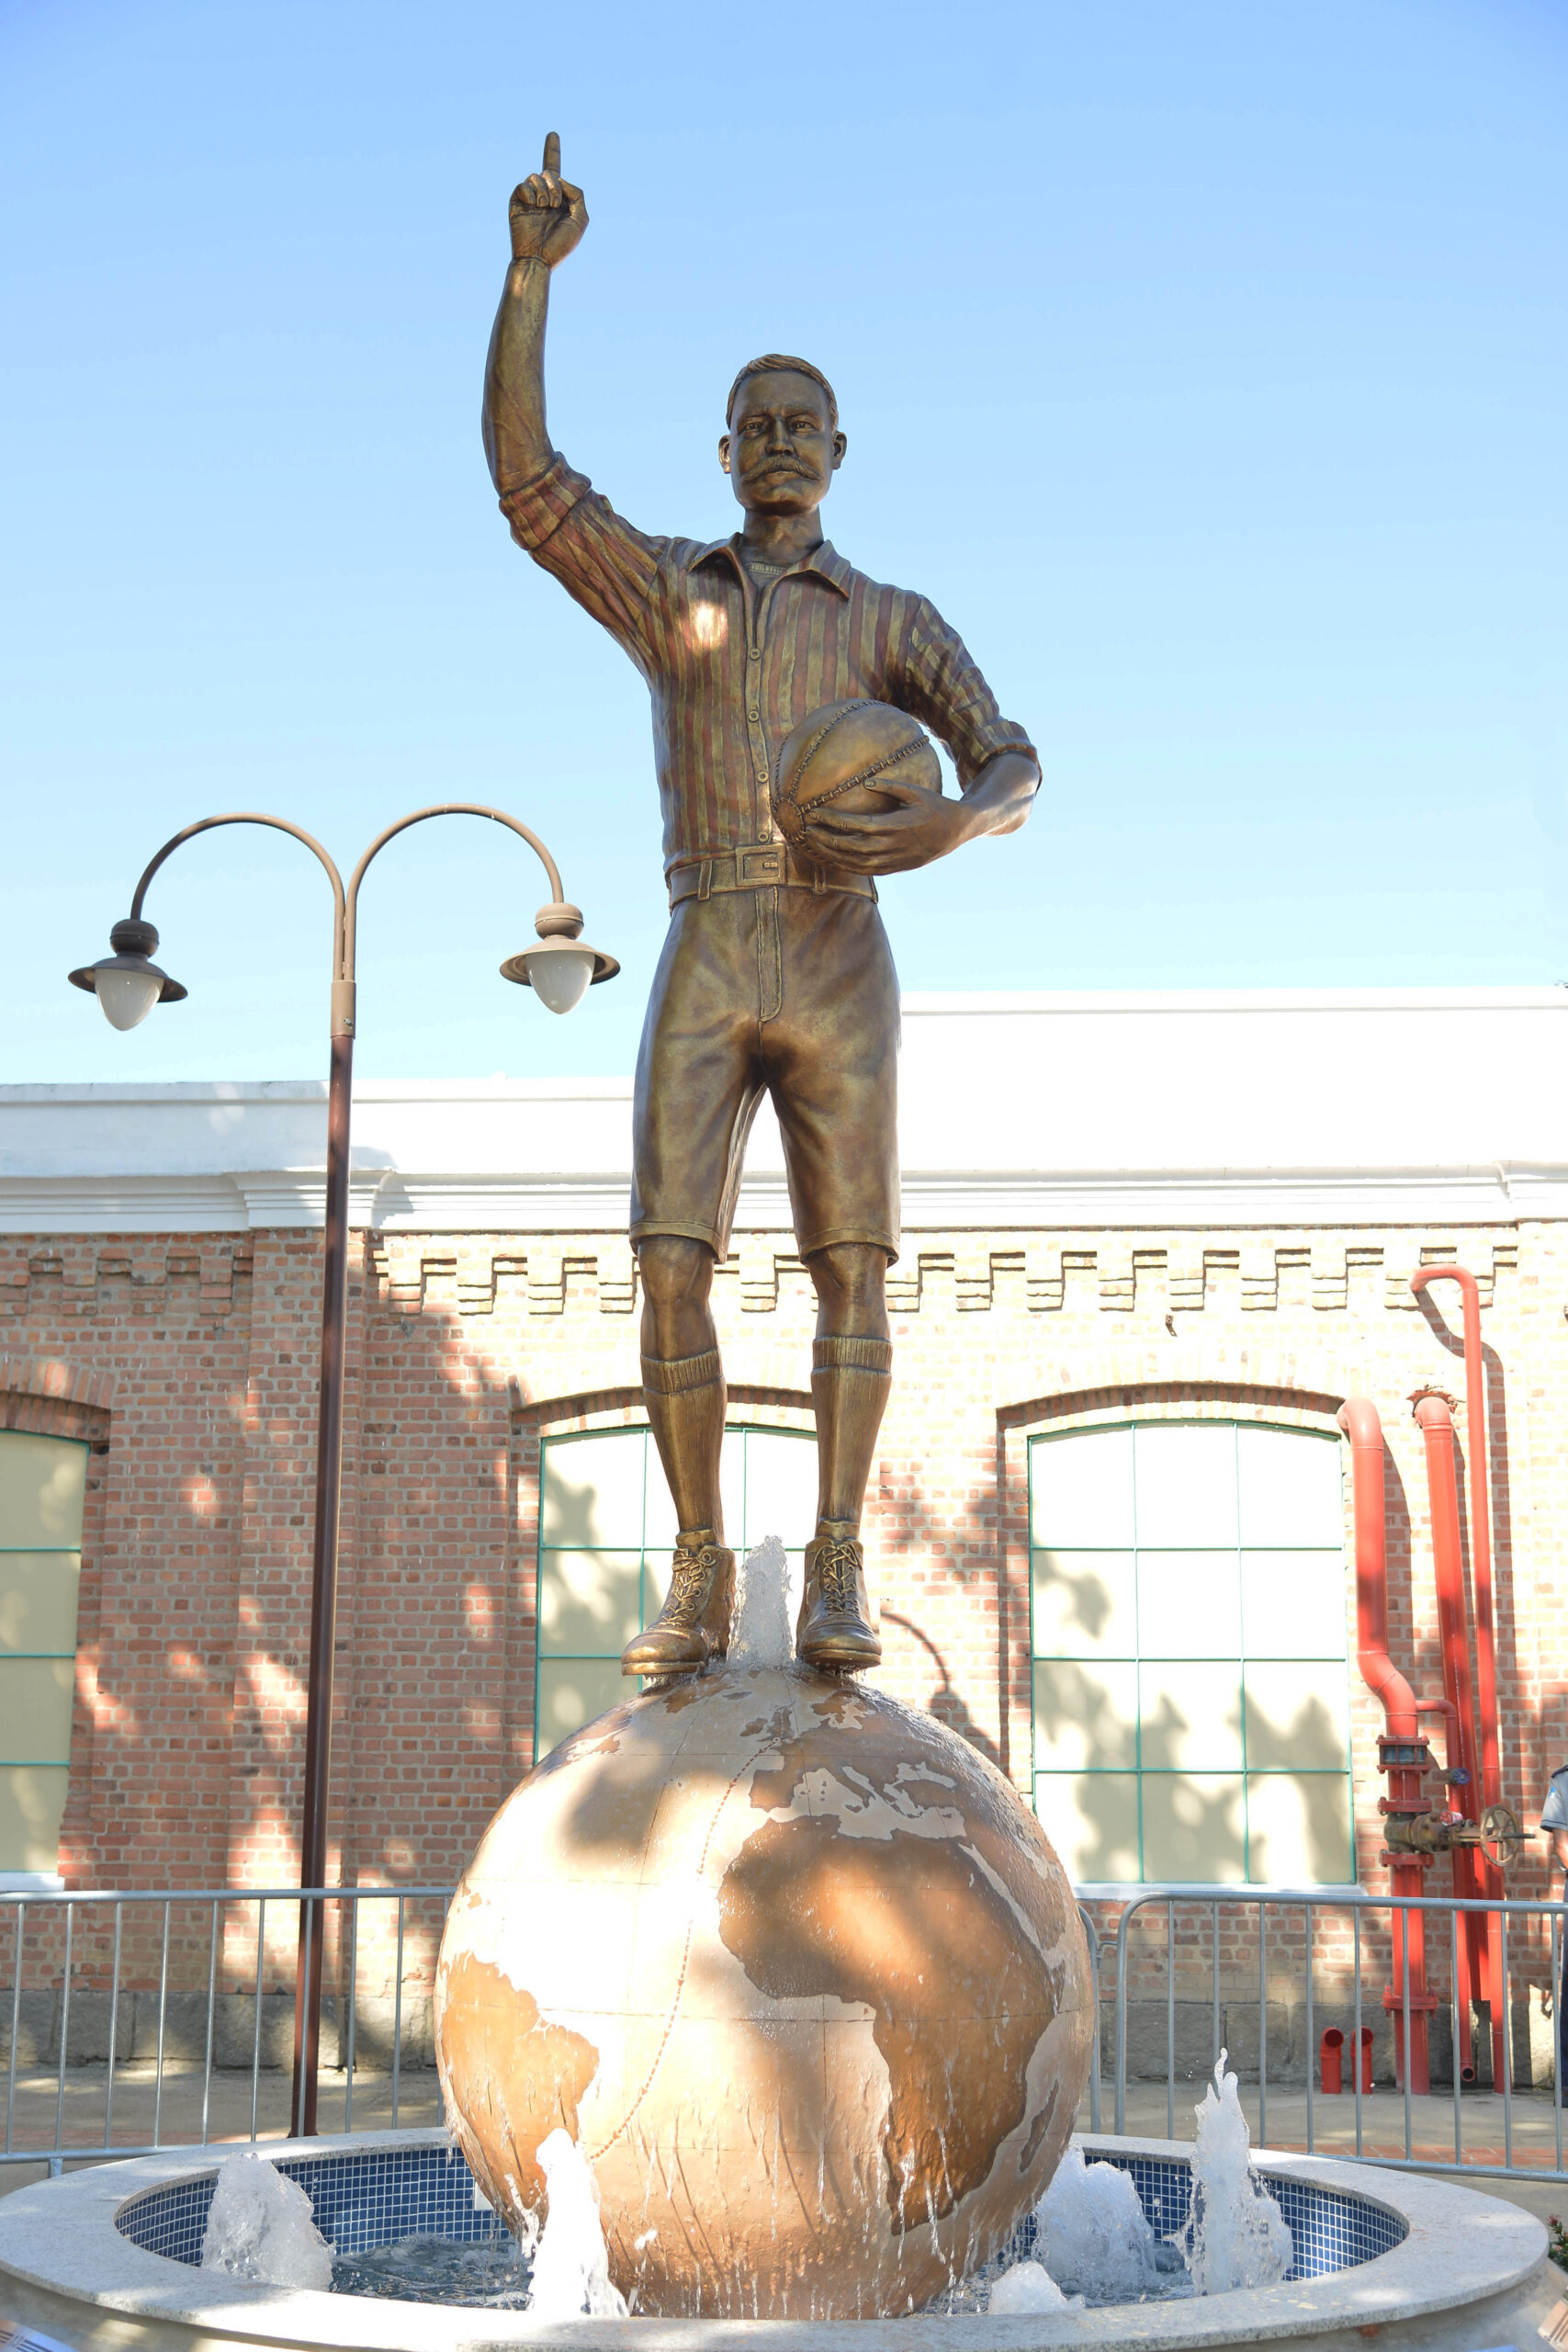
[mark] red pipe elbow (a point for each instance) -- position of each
(1358, 1419)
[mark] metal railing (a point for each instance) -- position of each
(159, 2003)
(137, 2023)
(1531, 2126)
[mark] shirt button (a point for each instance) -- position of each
(753, 714)
(755, 655)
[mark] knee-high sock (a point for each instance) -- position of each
(685, 1406)
(849, 1380)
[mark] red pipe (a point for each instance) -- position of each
(1479, 1522)
(1358, 1419)
(1488, 1879)
(1433, 1413)
(1331, 2060)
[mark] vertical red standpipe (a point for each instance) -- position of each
(1437, 1429)
(1358, 1419)
(1489, 1879)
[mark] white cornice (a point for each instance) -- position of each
(1063, 1110)
(936, 1201)
(983, 1004)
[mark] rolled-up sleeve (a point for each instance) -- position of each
(942, 686)
(605, 562)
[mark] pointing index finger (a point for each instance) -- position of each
(552, 151)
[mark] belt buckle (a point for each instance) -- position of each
(759, 866)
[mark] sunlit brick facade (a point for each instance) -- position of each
(1243, 1203)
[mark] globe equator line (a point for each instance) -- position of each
(658, 2059)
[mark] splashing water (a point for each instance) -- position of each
(1093, 2235)
(763, 1635)
(260, 2226)
(1027, 2288)
(571, 2269)
(1236, 2234)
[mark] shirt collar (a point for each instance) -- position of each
(824, 560)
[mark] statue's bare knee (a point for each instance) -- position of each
(677, 1278)
(851, 1280)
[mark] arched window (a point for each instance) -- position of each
(606, 1531)
(1189, 1603)
(43, 1482)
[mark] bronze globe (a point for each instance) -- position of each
(798, 1971)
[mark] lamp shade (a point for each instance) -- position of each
(562, 967)
(126, 995)
(559, 975)
(126, 983)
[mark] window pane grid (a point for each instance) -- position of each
(606, 1514)
(1108, 1509)
(42, 1491)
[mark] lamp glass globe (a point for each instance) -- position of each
(126, 996)
(561, 977)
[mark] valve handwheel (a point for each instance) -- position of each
(1500, 1834)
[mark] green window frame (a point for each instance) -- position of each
(1189, 1605)
(43, 1493)
(604, 1542)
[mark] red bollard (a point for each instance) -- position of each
(1366, 2057)
(1330, 2060)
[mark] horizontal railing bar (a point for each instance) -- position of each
(1331, 1898)
(1195, 1890)
(224, 1893)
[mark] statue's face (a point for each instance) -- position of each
(780, 451)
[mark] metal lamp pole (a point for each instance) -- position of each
(561, 967)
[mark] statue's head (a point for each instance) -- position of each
(784, 444)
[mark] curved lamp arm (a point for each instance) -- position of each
(128, 984)
(560, 966)
(442, 809)
(279, 824)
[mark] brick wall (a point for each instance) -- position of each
(190, 1361)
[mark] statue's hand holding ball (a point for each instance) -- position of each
(547, 214)
(858, 784)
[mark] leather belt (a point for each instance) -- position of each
(770, 867)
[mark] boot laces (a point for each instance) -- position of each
(691, 1579)
(837, 1566)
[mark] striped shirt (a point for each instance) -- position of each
(733, 666)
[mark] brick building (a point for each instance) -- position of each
(1151, 1243)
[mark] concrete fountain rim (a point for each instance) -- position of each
(1460, 2248)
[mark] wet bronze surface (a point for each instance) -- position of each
(832, 1975)
(501, 2062)
(959, 2002)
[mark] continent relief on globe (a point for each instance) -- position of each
(800, 1973)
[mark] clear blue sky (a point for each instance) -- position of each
(1204, 363)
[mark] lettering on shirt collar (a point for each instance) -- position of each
(824, 560)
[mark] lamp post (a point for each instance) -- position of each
(560, 968)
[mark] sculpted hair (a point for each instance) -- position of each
(767, 365)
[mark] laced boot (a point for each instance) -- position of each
(693, 1625)
(834, 1629)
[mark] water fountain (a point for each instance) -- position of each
(836, 2100)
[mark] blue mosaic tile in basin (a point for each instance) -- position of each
(387, 2194)
(1330, 2230)
(358, 2202)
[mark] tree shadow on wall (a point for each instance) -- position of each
(921, 1528)
(946, 1702)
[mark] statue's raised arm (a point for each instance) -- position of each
(547, 216)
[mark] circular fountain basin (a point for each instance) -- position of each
(107, 2258)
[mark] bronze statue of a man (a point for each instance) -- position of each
(776, 975)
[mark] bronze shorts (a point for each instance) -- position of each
(789, 993)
